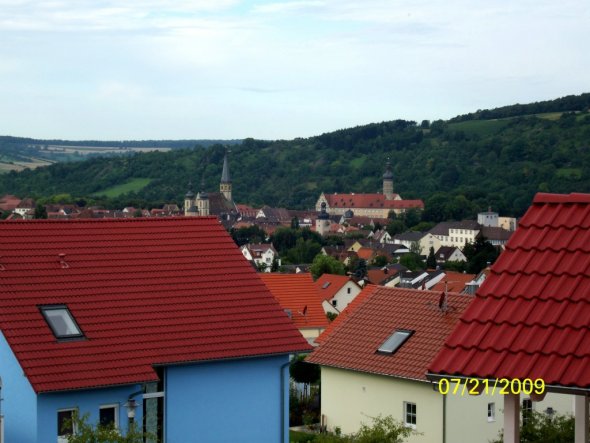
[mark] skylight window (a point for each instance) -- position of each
(60, 320)
(325, 285)
(394, 342)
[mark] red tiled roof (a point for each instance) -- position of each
(354, 342)
(371, 201)
(361, 296)
(144, 292)
(297, 293)
(328, 291)
(530, 318)
(365, 253)
(456, 281)
(9, 202)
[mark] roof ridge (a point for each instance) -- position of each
(522, 323)
(574, 197)
(509, 349)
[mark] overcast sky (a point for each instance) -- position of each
(177, 69)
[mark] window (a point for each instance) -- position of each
(334, 303)
(491, 412)
(527, 409)
(108, 415)
(60, 320)
(65, 425)
(394, 342)
(348, 290)
(410, 414)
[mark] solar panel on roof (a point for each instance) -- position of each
(394, 342)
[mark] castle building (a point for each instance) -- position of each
(369, 205)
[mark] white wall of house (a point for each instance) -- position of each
(350, 398)
(345, 295)
(427, 242)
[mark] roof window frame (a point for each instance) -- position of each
(405, 334)
(79, 335)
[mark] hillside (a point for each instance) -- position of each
(457, 167)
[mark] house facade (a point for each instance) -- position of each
(128, 320)
(336, 292)
(262, 255)
(374, 362)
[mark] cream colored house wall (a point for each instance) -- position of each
(310, 334)
(427, 242)
(343, 297)
(350, 398)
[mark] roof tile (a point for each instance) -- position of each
(144, 292)
(530, 318)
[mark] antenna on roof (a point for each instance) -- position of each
(442, 301)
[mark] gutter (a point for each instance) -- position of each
(283, 424)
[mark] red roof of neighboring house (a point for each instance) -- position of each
(329, 284)
(143, 291)
(365, 253)
(9, 202)
(354, 342)
(369, 201)
(456, 281)
(530, 318)
(345, 313)
(297, 293)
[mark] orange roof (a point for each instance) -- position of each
(456, 281)
(297, 293)
(369, 201)
(329, 284)
(353, 343)
(365, 253)
(345, 312)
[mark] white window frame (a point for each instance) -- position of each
(63, 438)
(407, 423)
(491, 412)
(114, 406)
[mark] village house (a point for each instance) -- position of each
(262, 255)
(299, 297)
(529, 319)
(336, 292)
(456, 234)
(161, 321)
(449, 253)
(374, 359)
(422, 241)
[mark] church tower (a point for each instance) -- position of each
(189, 202)
(203, 200)
(225, 185)
(388, 182)
(322, 223)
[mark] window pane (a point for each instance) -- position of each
(107, 416)
(61, 322)
(394, 342)
(64, 423)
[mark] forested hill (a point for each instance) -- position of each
(458, 168)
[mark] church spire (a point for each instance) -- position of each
(225, 185)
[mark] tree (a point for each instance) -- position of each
(325, 264)
(294, 223)
(431, 260)
(395, 227)
(412, 261)
(479, 254)
(380, 260)
(545, 428)
(40, 212)
(360, 270)
(304, 251)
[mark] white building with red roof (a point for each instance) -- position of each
(369, 205)
(159, 317)
(336, 291)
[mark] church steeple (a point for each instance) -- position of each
(388, 182)
(225, 185)
(189, 201)
(203, 199)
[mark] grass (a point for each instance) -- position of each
(135, 184)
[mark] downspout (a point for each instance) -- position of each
(283, 424)
(444, 419)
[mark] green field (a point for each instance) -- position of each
(135, 184)
(479, 127)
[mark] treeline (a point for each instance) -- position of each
(174, 144)
(569, 103)
(458, 169)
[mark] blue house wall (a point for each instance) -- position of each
(19, 404)
(87, 401)
(234, 400)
